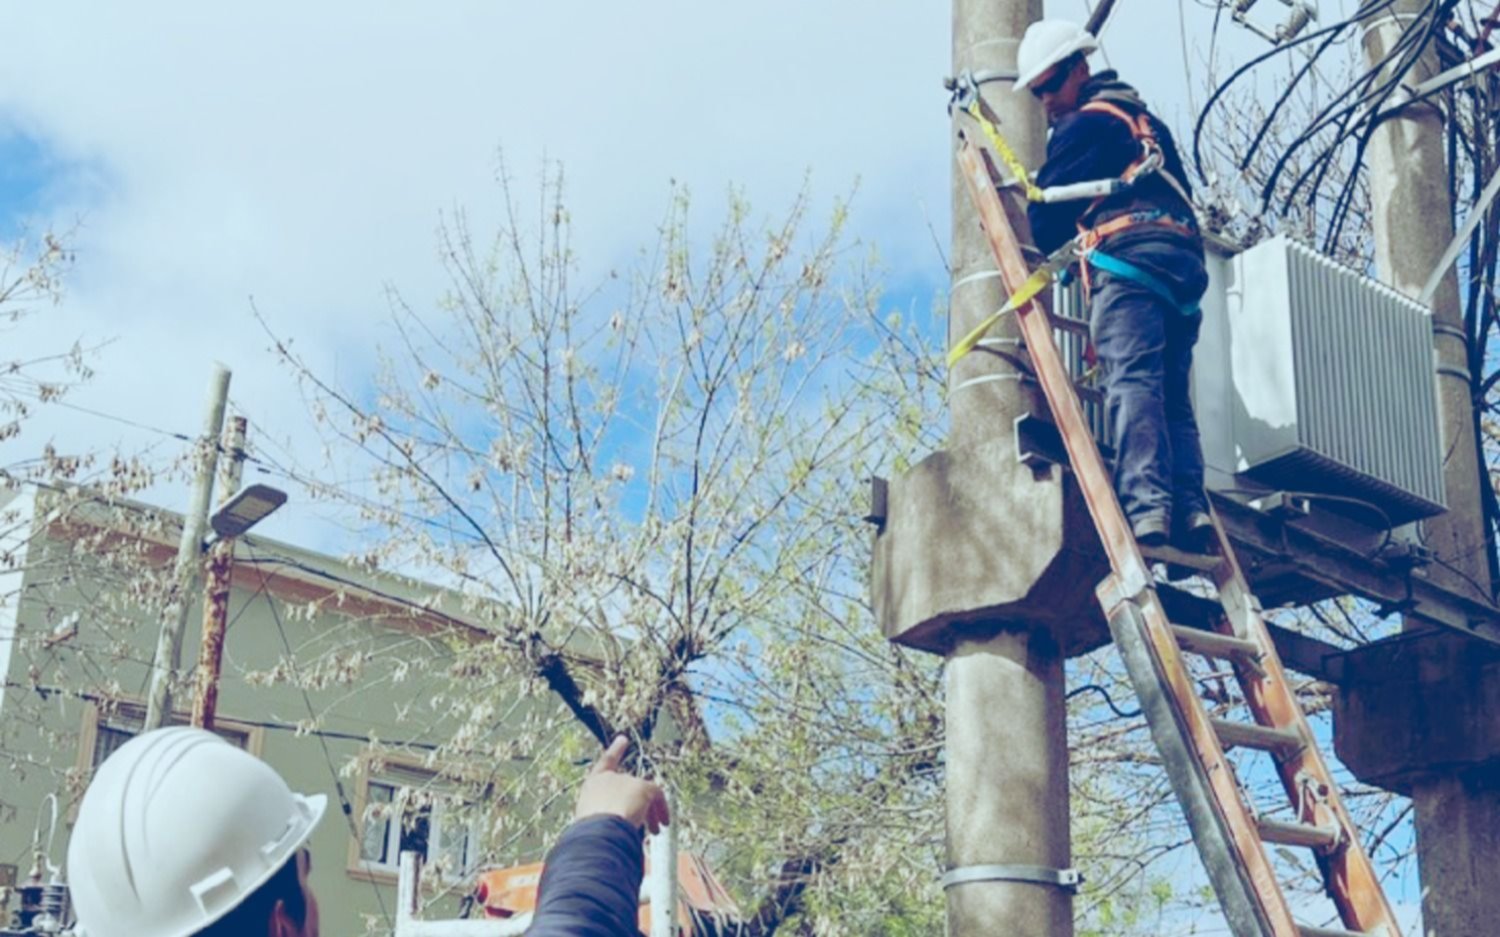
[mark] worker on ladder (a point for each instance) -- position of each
(1141, 261)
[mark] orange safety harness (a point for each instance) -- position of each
(1151, 160)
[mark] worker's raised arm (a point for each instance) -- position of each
(591, 883)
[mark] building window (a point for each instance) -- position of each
(410, 809)
(106, 729)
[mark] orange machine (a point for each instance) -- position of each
(704, 907)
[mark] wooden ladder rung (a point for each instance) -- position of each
(1321, 838)
(1086, 392)
(1220, 646)
(1091, 394)
(1308, 930)
(1263, 738)
(1069, 324)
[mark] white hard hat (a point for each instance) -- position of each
(1046, 43)
(176, 830)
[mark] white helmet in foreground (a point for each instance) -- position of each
(1047, 43)
(177, 829)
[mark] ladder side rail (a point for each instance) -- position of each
(1051, 374)
(1226, 836)
(1348, 873)
(1239, 836)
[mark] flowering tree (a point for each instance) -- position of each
(643, 486)
(649, 491)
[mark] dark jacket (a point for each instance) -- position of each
(591, 883)
(1086, 146)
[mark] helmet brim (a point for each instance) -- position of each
(312, 806)
(1085, 44)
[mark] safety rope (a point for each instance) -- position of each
(1003, 149)
(965, 97)
(1039, 280)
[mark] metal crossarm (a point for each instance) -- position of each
(1229, 833)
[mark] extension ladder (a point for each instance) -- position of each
(1230, 834)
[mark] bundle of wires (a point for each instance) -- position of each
(1352, 114)
(1315, 162)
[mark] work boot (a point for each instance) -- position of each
(1197, 533)
(1151, 529)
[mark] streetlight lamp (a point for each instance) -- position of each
(247, 508)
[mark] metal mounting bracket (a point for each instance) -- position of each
(1066, 879)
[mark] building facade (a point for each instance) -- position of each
(337, 677)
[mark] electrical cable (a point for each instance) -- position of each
(1108, 700)
(1385, 522)
(1329, 115)
(1264, 57)
(1368, 108)
(1281, 100)
(1346, 196)
(119, 419)
(1332, 113)
(1353, 114)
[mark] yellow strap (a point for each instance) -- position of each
(1007, 155)
(1029, 290)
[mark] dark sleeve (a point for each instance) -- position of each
(591, 882)
(1084, 147)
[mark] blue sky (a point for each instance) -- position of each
(29, 172)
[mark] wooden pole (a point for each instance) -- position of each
(216, 588)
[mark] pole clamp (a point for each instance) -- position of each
(1066, 879)
(964, 87)
(1449, 370)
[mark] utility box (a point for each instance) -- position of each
(1333, 383)
(1308, 377)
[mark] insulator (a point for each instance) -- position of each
(1302, 14)
(1241, 7)
(44, 908)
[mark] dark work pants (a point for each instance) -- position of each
(1145, 347)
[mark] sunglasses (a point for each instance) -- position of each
(1052, 85)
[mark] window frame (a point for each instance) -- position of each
(96, 716)
(375, 770)
(114, 715)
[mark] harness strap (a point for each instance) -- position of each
(1140, 125)
(1090, 238)
(1125, 270)
(1151, 160)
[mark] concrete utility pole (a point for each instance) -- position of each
(1413, 226)
(980, 558)
(189, 555)
(1007, 744)
(1419, 716)
(216, 589)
